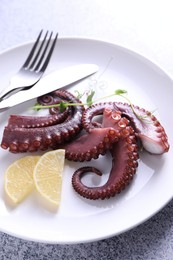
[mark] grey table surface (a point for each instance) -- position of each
(143, 26)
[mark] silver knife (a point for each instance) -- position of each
(53, 81)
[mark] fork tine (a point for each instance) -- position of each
(38, 52)
(43, 53)
(32, 51)
(44, 66)
(28, 76)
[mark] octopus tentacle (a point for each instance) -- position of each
(20, 139)
(55, 116)
(147, 127)
(91, 112)
(119, 130)
(124, 164)
(97, 141)
(90, 145)
(37, 121)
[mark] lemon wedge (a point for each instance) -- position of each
(48, 175)
(18, 177)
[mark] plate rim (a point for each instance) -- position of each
(137, 54)
(98, 40)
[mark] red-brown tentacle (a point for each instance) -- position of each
(124, 164)
(97, 141)
(21, 139)
(147, 127)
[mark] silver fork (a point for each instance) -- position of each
(34, 66)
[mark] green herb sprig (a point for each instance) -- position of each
(89, 100)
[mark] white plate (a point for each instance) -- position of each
(80, 220)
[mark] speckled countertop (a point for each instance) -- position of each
(143, 26)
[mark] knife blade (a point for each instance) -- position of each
(51, 82)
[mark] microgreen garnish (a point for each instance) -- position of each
(36, 107)
(89, 101)
(78, 94)
(120, 91)
(62, 106)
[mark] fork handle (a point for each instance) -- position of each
(9, 91)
